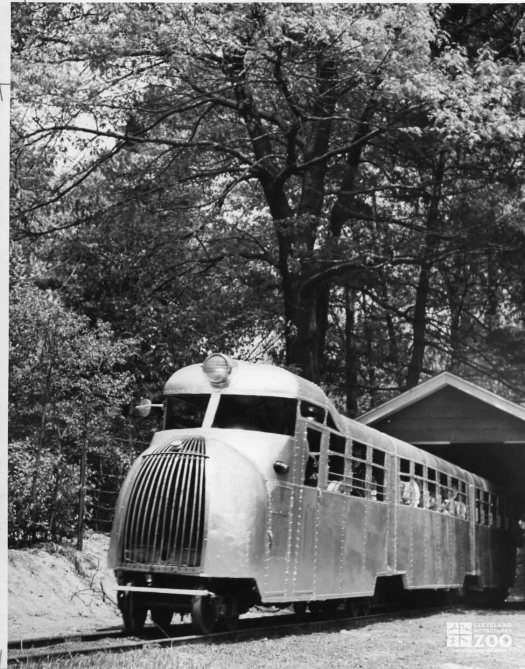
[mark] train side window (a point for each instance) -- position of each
(410, 492)
(359, 466)
(378, 490)
(477, 505)
(461, 504)
(336, 462)
(421, 483)
(485, 505)
(501, 512)
(442, 497)
(451, 504)
(311, 475)
(493, 511)
(313, 412)
(430, 497)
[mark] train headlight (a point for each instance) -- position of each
(217, 368)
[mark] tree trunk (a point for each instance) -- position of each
(419, 337)
(351, 366)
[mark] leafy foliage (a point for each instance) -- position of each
(335, 188)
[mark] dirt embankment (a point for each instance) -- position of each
(57, 589)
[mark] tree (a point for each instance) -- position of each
(65, 387)
(357, 126)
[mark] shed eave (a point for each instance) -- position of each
(443, 380)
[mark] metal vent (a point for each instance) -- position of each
(164, 518)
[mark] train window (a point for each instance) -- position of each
(501, 513)
(430, 492)
(336, 443)
(311, 475)
(485, 506)
(331, 422)
(358, 450)
(442, 496)
(358, 467)
(461, 508)
(254, 412)
(378, 490)
(493, 511)
(378, 457)
(336, 462)
(313, 412)
(358, 478)
(477, 505)
(183, 411)
(421, 484)
(404, 466)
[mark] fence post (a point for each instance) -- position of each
(82, 495)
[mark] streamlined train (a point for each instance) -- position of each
(257, 491)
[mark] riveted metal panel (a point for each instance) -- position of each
(278, 558)
(305, 514)
(354, 575)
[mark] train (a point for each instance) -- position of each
(257, 491)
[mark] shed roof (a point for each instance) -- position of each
(443, 380)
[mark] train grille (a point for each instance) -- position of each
(164, 519)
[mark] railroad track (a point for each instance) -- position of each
(115, 640)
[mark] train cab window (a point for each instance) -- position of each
(336, 462)
(313, 412)
(253, 412)
(185, 411)
(311, 474)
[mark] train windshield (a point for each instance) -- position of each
(183, 411)
(253, 412)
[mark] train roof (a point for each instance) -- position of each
(263, 379)
(246, 377)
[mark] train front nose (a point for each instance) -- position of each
(194, 503)
(236, 512)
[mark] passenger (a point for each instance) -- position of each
(410, 494)
(451, 505)
(461, 510)
(312, 469)
(444, 506)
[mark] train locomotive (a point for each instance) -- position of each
(257, 491)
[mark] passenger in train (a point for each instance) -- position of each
(410, 493)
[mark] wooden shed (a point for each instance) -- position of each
(463, 423)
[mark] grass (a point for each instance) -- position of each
(407, 644)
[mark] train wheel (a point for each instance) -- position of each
(228, 623)
(316, 607)
(133, 616)
(352, 607)
(364, 606)
(299, 609)
(162, 617)
(203, 615)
